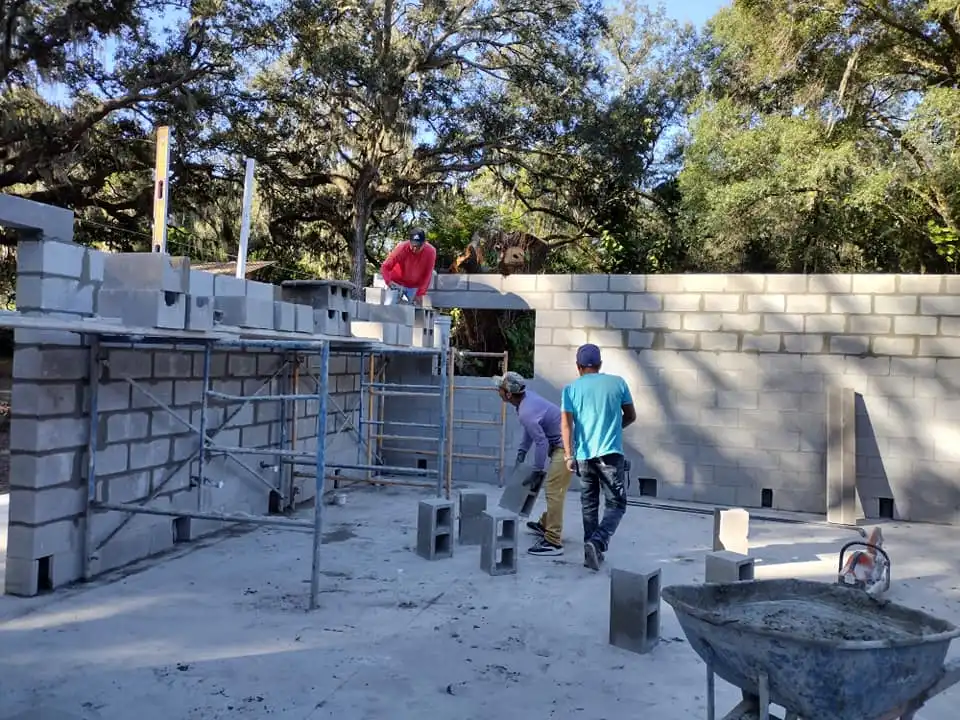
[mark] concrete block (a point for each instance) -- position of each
(424, 317)
(423, 338)
(303, 319)
(386, 333)
(36, 293)
(472, 505)
(374, 295)
(319, 294)
(727, 567)
(284, 316)
(399, 314)
(200, 314)
(435, 529)
(520, 494)
(146, 271)
(842, 503)
(500, 542)
(634, 610)
(229, 286)
(49, 257)
(404, 336)
(55, 223)
(201, 283)
(144, 308)
(259, 291)
(245, 312)
(344, 325)
(731, 529)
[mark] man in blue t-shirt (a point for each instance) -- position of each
(595, 409)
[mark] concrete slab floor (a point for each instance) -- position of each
(221, 632)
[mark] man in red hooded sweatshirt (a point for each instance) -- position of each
(408, 269)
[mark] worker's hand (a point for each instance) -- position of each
(572, 465)
(418, 301)
(521, 456)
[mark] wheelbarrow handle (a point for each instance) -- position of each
(861, 543)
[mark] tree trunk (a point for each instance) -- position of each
(361, 218)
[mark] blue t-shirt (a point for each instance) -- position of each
(596, 401)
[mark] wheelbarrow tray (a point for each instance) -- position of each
(828, 652)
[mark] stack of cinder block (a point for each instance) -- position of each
(149, 290)
(330, 304)
(390, 324)
(244, 303)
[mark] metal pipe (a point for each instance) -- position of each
(442, 440)
(408, 451)
(320, 468)
(363, 437)
(295, 389)
(250, 398)
(385, 469)
(472, 456)
(400, 386)
(463, 421)
(370, 404)
(283, 384)
(473, 387)
(94, 384)
(217, 516)
(397, 393)
(399, 423)
(450, 418)
(408, 438)
(471, 353)
(381, 411)
(207, 352)
(503, 424)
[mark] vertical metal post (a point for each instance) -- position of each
(94, 385)
(161, 190)
(201, 458)
(286, 470)
(452, 374)
(361, 416)
(245, 220)
(322, 379)
(442, 446)
(294, 390)
(369, 437)
(711, 694)
(503, 425)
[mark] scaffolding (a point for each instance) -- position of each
(101, 336)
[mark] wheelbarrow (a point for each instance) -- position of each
(820, 651)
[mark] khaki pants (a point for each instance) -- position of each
(555, 490)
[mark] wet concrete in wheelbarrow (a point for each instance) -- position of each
(219, 629)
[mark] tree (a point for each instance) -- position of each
(382, 103)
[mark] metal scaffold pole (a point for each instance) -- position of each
(322, 384)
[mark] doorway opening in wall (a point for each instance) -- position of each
(766, 498)
(885, 508)
(45, 574)
(493, 332)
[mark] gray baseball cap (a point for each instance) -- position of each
(512, 382)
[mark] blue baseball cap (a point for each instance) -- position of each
(588, 356)
(418, 237)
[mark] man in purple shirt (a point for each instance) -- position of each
(540, 420)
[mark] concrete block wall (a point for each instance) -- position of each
(730, 374)
(143, 452)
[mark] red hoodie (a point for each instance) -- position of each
(409, 269)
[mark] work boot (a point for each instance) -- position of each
(536, 528)
(545, 547)
(592, 557)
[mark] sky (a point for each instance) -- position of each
(694, 11)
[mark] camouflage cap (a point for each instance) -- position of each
(512, 382)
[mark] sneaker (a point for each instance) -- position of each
(592, 557)
(536, 528)
(545, 547)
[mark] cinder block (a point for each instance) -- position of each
(472, 505)
(423, 317)
(374, 295)
(229, 286)
(634, 610)
(22, 576)
(404, 336)
(146, 271)
(54, 223)
(731, 530)
(517, 497)
(259, 291)
(284, 316)
(201, 283)
(245, 312)
(200, 312)
(435, 529)
(500, 542)
(319, 294)
(49, 257)
(144, 308)
(727, 567)
(386, 333)
(399, 314)
(54, 294)
(345, 325)
(423, 338)
(303, 319)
